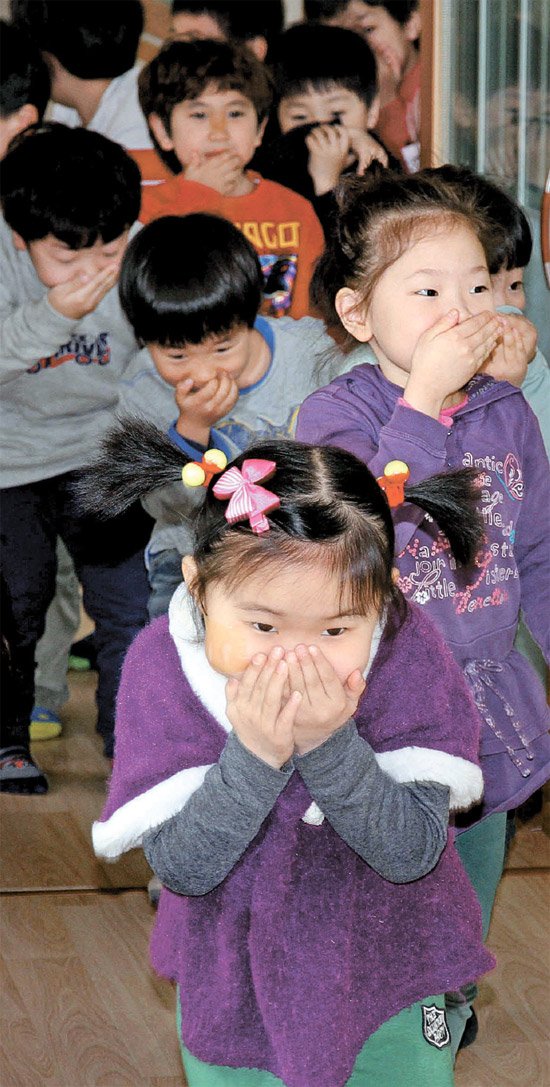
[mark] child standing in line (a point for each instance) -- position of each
(392, 29)
(326, 102)
(297, 816)
(64, 346)
(407, 274)
(215, 373)
(206, 103)
(91, 49)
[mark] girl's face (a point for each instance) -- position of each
(445, 271)
(288, 608)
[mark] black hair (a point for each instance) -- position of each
(186, 278)
(379, 215)
(90, 38)
(69, 182)
(511, 242)
(238, 19)
(330, 505)
(182, 70)
(24, 76)
(313, 55)
(400, 10)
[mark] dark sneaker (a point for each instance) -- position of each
(19, 772)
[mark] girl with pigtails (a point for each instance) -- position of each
(286, 756)
(405, 274)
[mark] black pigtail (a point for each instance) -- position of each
(136, 457)
(452, 499)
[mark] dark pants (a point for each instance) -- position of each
(108, 557)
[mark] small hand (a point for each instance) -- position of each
(509, 359)
(326, 703)
(81, 295)
(200, 408)
(328, 147)
(262, 717)
(447, 356)
(222, 172)
(366, 149)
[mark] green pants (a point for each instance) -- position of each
(481, 851)
(397, 1053)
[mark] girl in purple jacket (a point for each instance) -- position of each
(405, 272)
(286, 755)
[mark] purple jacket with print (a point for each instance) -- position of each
(477, 609)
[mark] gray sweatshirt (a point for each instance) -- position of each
(303, 358)
(60, 378)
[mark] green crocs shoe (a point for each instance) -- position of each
(45, 725)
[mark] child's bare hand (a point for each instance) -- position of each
(328, 147)
(365, 149)
(81, 295)
(509, 360)
(262, 717)
(200, 408)
(221, 172)
(326, 703)
(447, 356)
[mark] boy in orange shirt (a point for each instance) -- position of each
(206, 103)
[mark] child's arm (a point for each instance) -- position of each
(38, 328)
(196, 849)
(533, 533)
(400, 830)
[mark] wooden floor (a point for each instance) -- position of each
(80, 1006)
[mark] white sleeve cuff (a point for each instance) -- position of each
(125, 828)
(408, 764)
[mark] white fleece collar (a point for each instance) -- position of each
(207, 684)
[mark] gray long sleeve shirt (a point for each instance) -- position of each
(400, 830)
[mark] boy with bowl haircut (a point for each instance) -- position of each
(326, 103)
(206, 103)
(392, 29)
(215, 373)
(69, 198)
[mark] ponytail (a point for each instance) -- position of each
(136, 457)
(451, 499)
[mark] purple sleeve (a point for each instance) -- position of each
(532, 545)
(341, 416)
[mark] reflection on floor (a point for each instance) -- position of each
(82, 1007)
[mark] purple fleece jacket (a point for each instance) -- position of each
(477, 610)
(302, 951)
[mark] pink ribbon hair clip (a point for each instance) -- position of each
(246, 498)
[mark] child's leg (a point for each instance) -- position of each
(109, 561)
(481, 850)
(29, 532)
(411, 1049)
(52, 651)
(164, 577)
